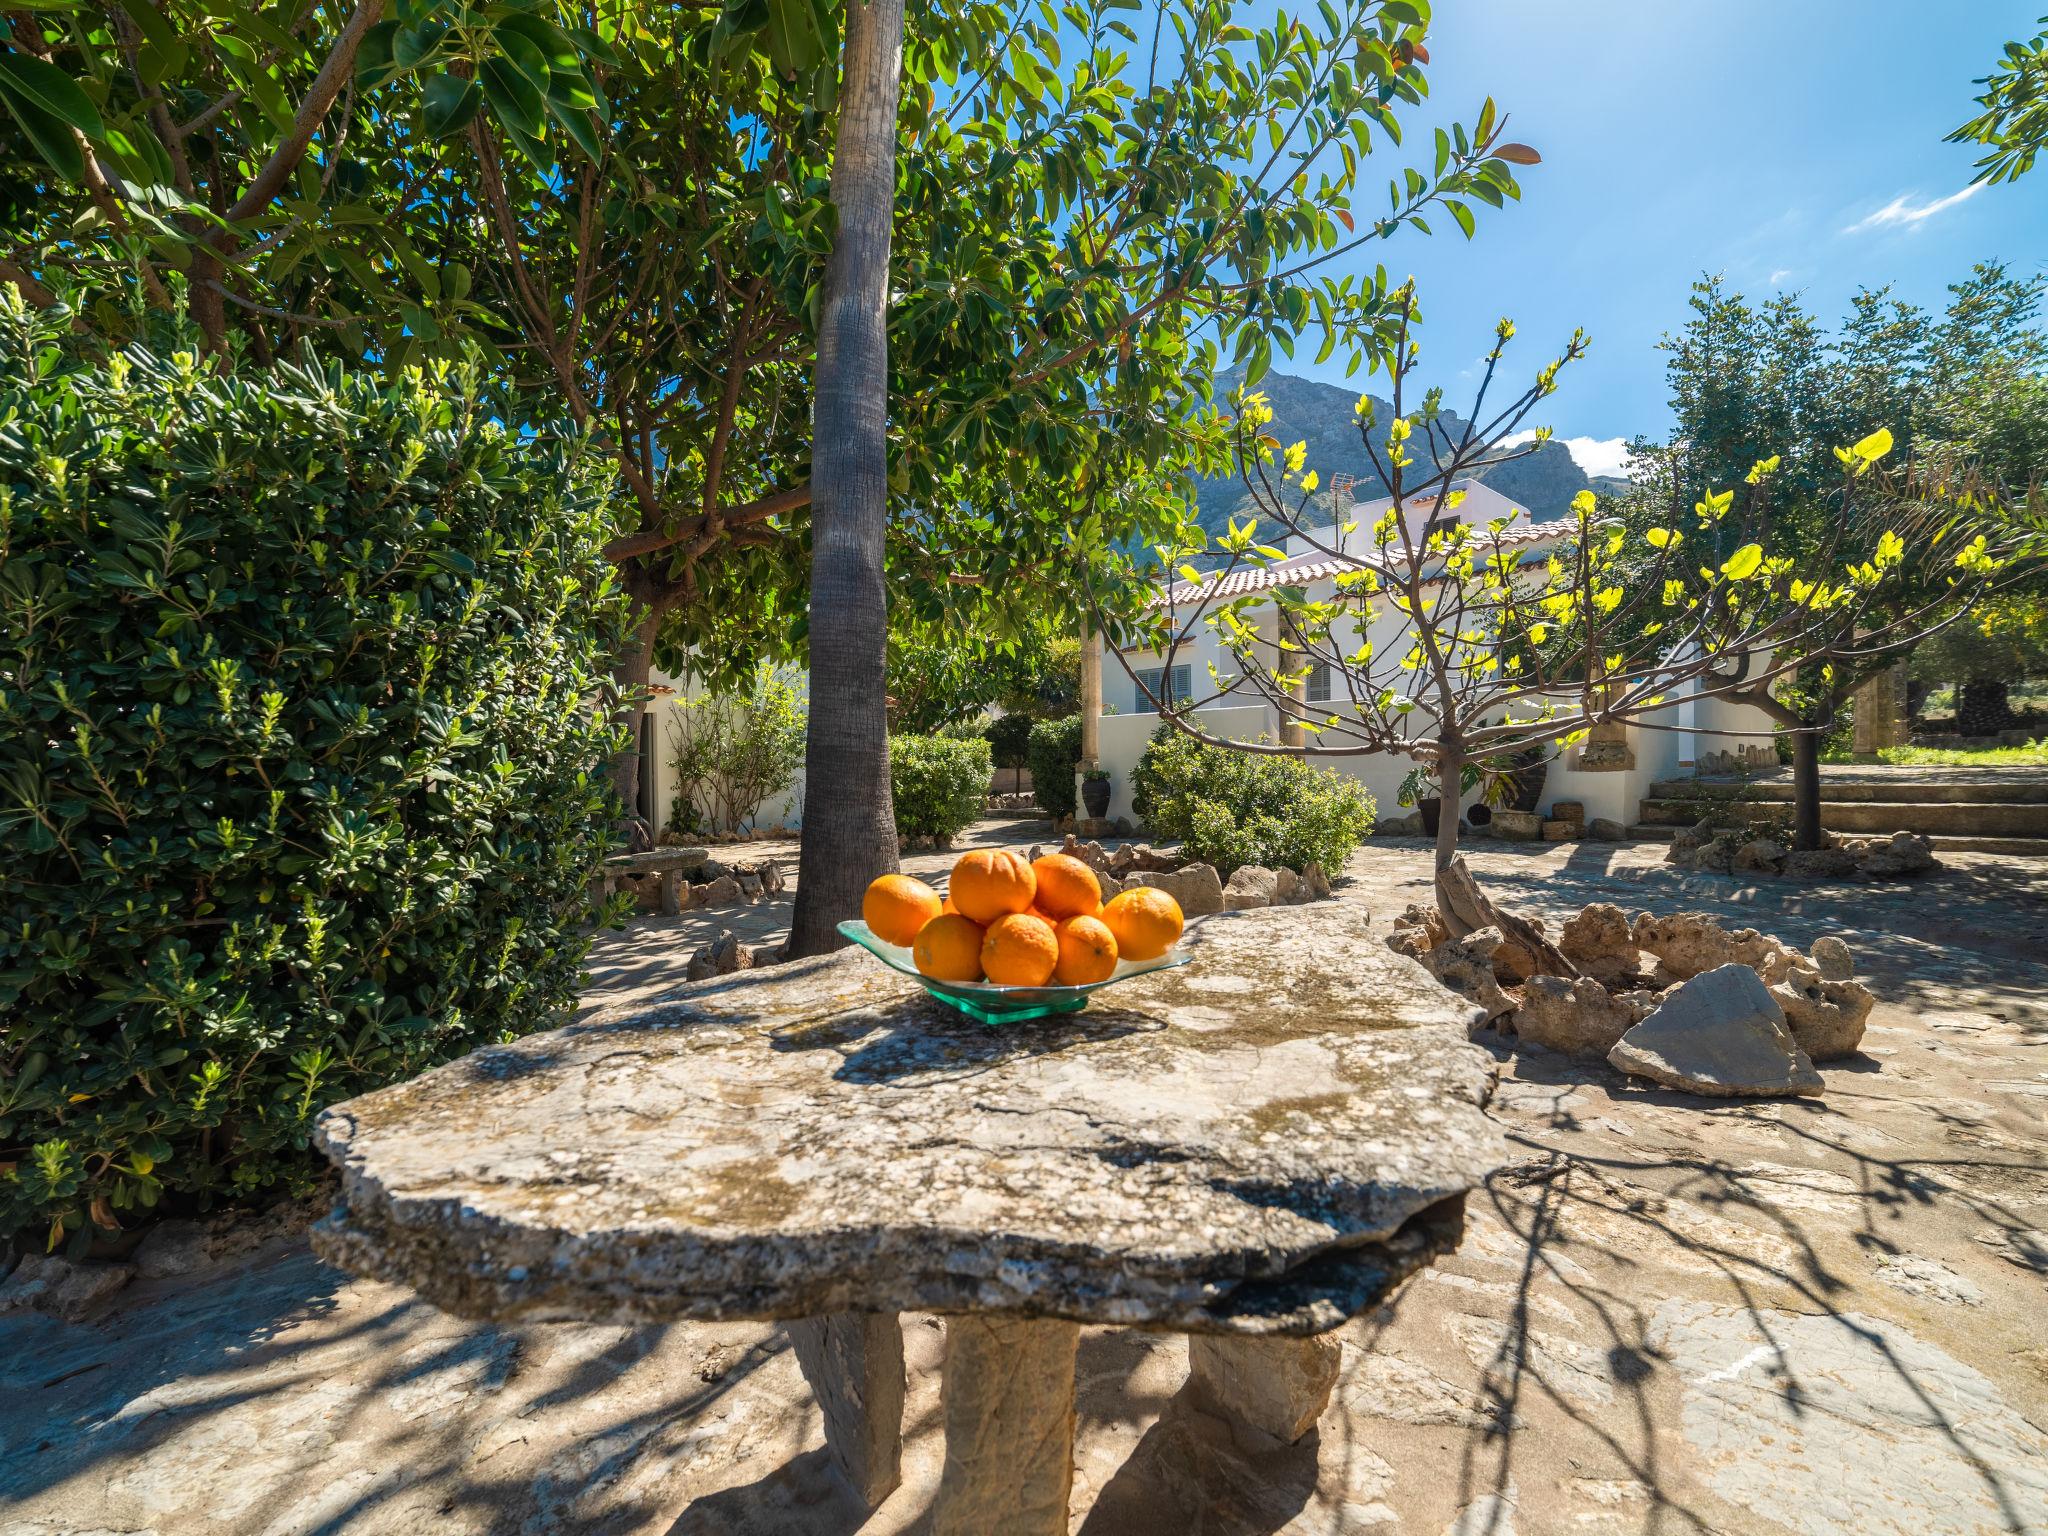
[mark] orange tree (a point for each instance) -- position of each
(630, 212)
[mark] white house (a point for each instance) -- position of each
(1610, 773)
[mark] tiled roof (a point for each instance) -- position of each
(1303, 569)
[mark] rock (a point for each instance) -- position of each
(1604, 829)
(173, 1248)
(1573, 811)
(1518, 826)
(1825, 1017)
(1761, 854)
(1903, 853)
(750, 885)
(1820, 863)
(70, 1289)
(771, 877)
(1562, 831)
(1597, 939)
(1111, 886)
(725, 891)
(1133, 856)
(1409, 825)
(1286, 887)
(1467, 967)
(1196, 888)
(1417, 931)
(721, 957)
(1251, 887)
(1686, 943)
(1832, 959)
(1720, 1033)
(1315, 884)
(1579, 1018)
(824, 1137)
(1279, 1387)
(712, 869)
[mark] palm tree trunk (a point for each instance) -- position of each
(1806, 829)
(849, 834)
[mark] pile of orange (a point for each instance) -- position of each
(1019, 922)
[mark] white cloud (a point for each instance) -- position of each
(1595, 455)
(1779, 275)
(1899, 211)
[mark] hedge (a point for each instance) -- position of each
(302, 756)
(1231, 808)
(1054, 753)
(939, 783)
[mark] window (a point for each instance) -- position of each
(1148, 689)
(1319, 683)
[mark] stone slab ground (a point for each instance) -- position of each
(1809, 1316)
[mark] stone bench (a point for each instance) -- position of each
(1250, 1150)
(673, 865)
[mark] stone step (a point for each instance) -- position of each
(2015, 847)
(1976, 819)
(2028, 790)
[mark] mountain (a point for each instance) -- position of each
(1325, 416)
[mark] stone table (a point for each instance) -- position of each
(673, 865)
(1250, 1150)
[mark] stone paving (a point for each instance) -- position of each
(1668, 1315)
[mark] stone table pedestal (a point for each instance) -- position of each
(1250, 1150)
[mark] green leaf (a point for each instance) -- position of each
(53, 140)
(1743, 564)
(514, 99)
(450, 103)
(524, 55)
(559, 53)
(1875, 446)
(45, 86)
(374, 62)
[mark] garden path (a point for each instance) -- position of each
(1809, 1316)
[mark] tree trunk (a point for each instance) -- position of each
(630, 672)
(1806, 831)
(1450, 778)
(849, 834)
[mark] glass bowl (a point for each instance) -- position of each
(993, 1004)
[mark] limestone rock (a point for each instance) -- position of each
(1761, 854)
(1562, 831)
(1903, 853)
(1424, 920)
(1573, 811)
(1820, 863)
(1686, 943)
(1142, 857)
(1279, 1387)
(1263, 1141)
(1286, 887)
(1825, 1017)
(1315, 884)
(1466, 966)
(1409, 825)
(71, 1289)
(1579, 1018)
(1111, 886)
(725, 891)
(1196, 888)
(721, 957)
(1251, 886)
(1604, 829)
(1720, 1033)
(1598, 941)
(1518, 826)
(1831, 957)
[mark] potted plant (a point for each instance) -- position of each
(1095, 792)
(1417, 790)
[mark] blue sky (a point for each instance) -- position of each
(1790, 144)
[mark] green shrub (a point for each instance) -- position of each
(939, 783)
(1054, 752)
(1234, 808)
(734, 752)
(302, 757)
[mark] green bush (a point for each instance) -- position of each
(1234, 808)
(302, 757)
(940, 783)
(734, 752)
(1053, 754)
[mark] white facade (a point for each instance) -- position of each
(657, 766)
(1658, 752)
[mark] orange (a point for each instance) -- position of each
(1066, 887)
(990, 883)
(948, 948)
(947, 908)
(1087, 952)
(1020, 951)
(896, 907)
(1146, 922)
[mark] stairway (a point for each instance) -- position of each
(1965, 810)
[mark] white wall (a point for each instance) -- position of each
(784, 810)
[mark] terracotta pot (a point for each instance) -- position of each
(1095, 795)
